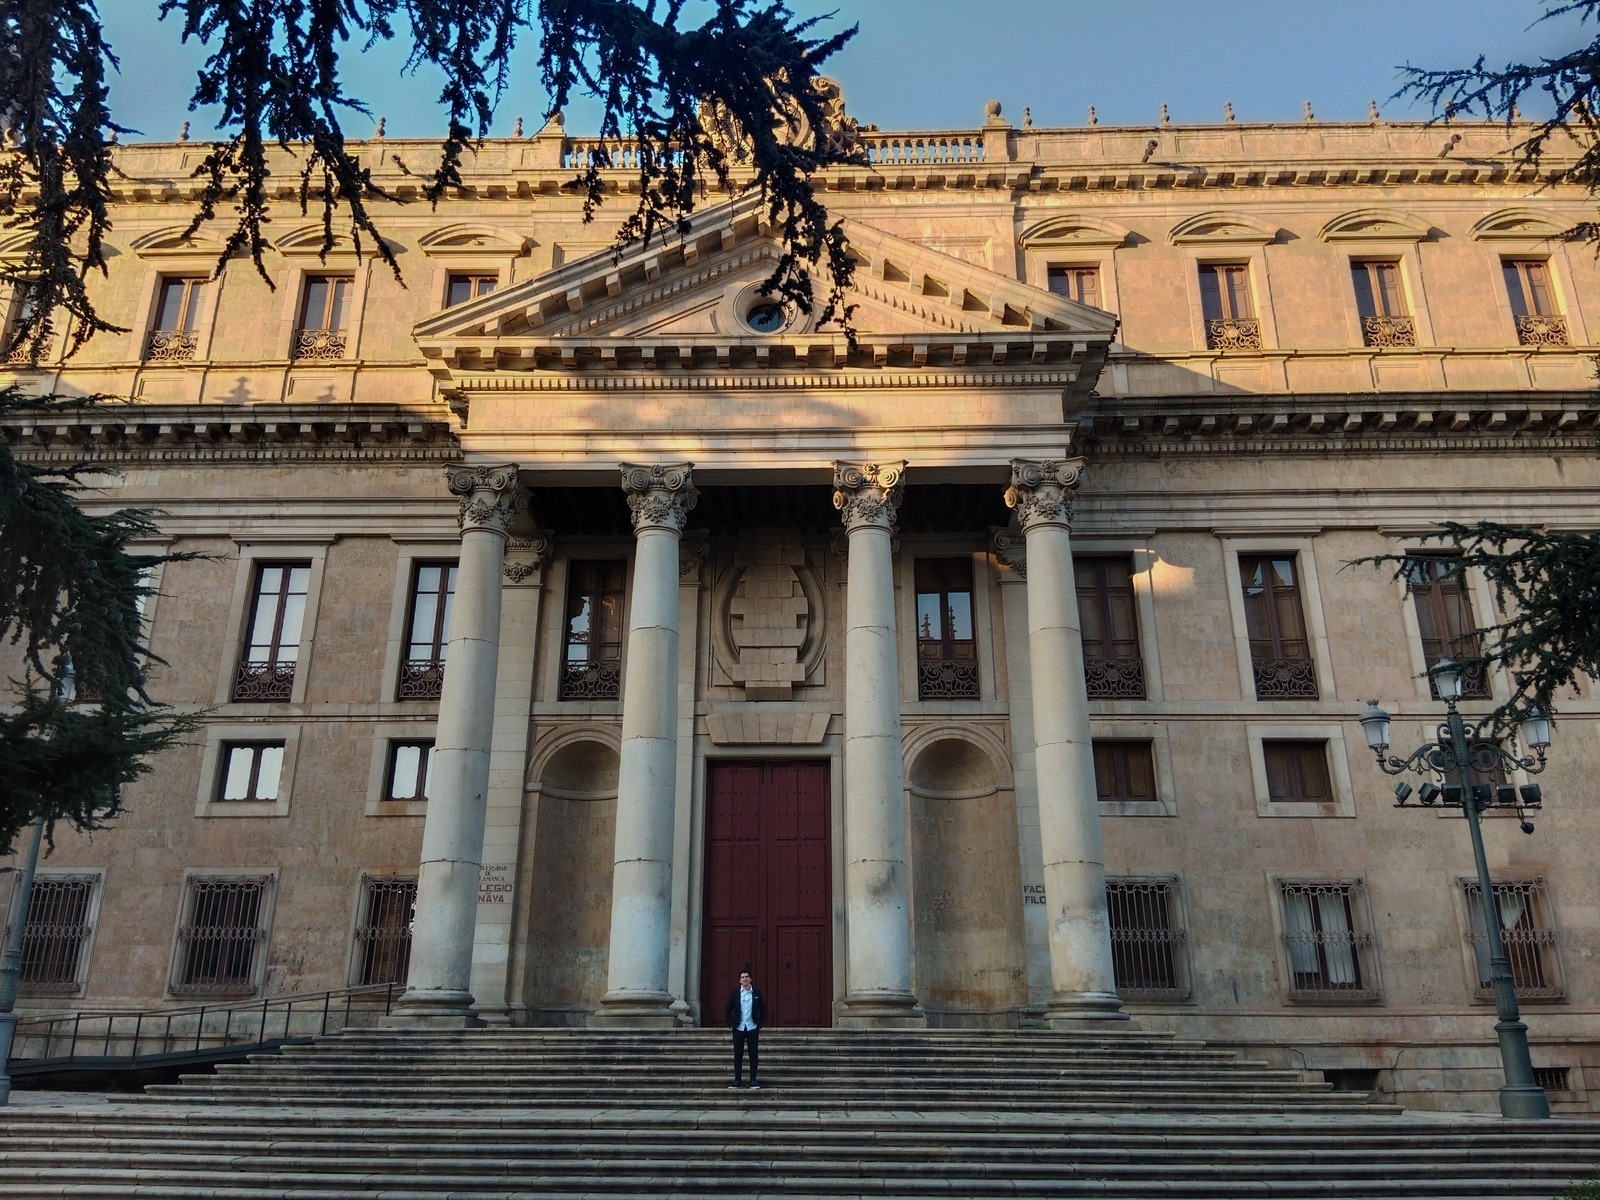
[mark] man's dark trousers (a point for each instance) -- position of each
(742, 1039)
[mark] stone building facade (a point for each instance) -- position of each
(998, 668)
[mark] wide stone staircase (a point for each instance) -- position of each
(470, 1115)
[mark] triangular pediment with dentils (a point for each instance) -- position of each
(696, 300)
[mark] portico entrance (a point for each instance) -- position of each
(767, 896)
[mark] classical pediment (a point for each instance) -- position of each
(696, 300)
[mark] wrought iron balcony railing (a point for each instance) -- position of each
(1233, 333)
(258, 681)
(1542, 331)
(1285, 679)
(421, 679)
(325, 345)
(947, 679)
(171, 345)
(1388, 331)
(1114, 678)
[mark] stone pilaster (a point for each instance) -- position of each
(637, 994)
(877, 881)
(1082, 978)
(438, 987)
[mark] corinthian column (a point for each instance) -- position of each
(438, 986)
(641, 889)
(1082, 978)
(877, 883)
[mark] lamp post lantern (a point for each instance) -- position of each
(1456, 752)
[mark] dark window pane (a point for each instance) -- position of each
(946, 647)
(592, 653)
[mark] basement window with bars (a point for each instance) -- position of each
(1530, 939)
(55, 935)
(383, 938)
(1328, 948)
(1147, 940)
(219, 944)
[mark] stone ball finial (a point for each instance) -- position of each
(383, 124)
(991, 110)
(183, 134)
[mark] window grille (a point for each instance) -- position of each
(219, 941)
(174, 337)
(1113, 668)
(1445, 621)
(469, 287)
(433, 594)
(1280, 651)
(1553, 1079)
(1230, 318)
(56, 933)
(252, 772)
(1328, 951)
(1124, 770)
(1147, 945)
(1533, 302)
(324, 317)
(383, 939)
(1297, 772)
(947, 648)
(1076, 283)
(272, 642)
(591, 665)
(1530, 939)
(410, 771)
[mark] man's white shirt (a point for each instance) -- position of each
(747, 998)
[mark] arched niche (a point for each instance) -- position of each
(569, 920)
(967, 882)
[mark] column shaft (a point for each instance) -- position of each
(438, 986)
(641, 891)
(1082, 975)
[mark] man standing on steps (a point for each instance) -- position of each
(745, 1014)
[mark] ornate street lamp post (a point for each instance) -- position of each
(1458, 751)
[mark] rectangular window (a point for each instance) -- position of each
(1124, 770)
(251, 771)
(272, 642)
(383, 939)
(591, 665)
(410, 771)
(56, 933)
(1533, 302)
(1444, 619)
(1146, 940)
(1297, 772)
(173, 337)
(433, 593)
(947, 649)
(221, 935)
(1530, 939)
(1280, 651)
(1076, 283)
(469, 287)
(1112, 666)
(1327, 948)
(323, 331)
(1381, 304)
(1231, 322)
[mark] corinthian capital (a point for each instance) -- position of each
(1042, 493)
(868, 494)
(489, 497)
(660, 497)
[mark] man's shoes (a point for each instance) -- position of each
(755, 1084)
(735, 1085)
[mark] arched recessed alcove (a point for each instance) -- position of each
(569, 921)
(967, 884)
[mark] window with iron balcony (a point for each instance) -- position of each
(1231, 322)
(1148, 944)
(1533, 302)
(591, 662)
(383, 938)
(1113, 668)
(1444, 619)
(1329, 952)
(947, 650)
(175, 337)
(323, 333)
(1280, 650)
(1523, 909)
(55, 934)
(272, 641)
(1381, 304)
(220, 939)
(18, 312)
(433, 592)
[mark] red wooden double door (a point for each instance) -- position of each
(768, 903)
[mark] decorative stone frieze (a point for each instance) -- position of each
(660, 496)
(868, 494)
(526, 557)
(1042, 493)
(488, 497)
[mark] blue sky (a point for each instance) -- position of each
(931, 64)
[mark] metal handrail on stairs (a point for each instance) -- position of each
(167, 1037)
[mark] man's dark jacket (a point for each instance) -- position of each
(758, 1009)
